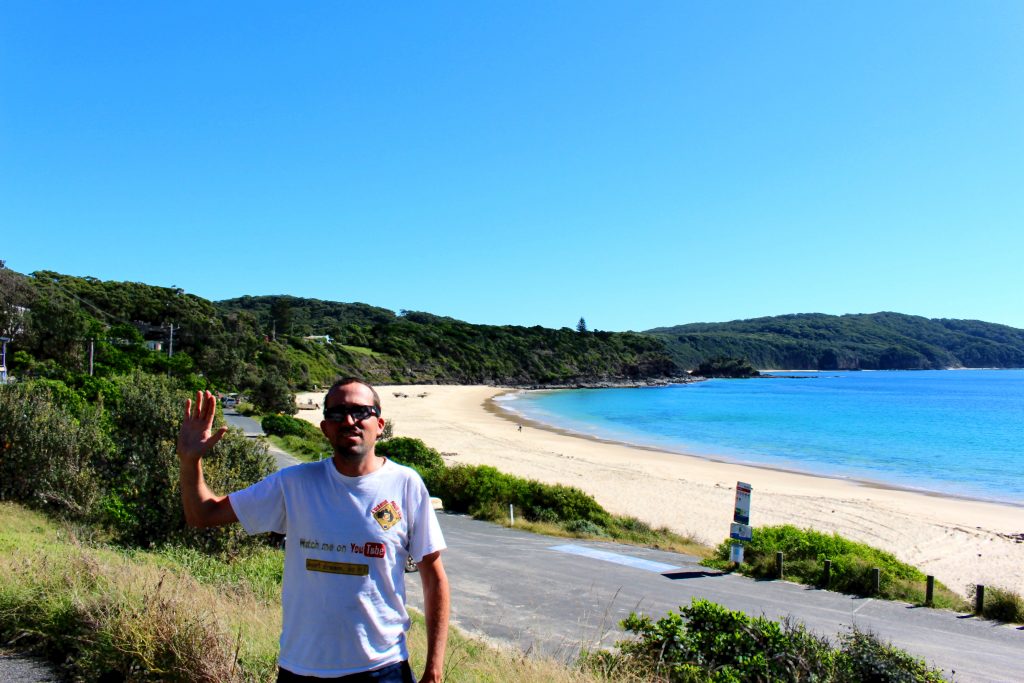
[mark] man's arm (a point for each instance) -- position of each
(195, 440)
(436, 602)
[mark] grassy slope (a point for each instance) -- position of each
(176, 615)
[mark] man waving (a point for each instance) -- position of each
(351, 523)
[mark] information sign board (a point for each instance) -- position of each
(741, 532)
(742, 512)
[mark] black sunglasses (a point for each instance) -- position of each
(358, 413)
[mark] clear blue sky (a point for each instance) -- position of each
(639, 164)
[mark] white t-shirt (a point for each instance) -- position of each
(343, 593)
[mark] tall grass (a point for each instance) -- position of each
(127, 615)
(1000, 604)
(178, 615)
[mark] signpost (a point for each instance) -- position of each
(740, 529)
(3, 360)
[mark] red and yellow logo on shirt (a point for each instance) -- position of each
(387, 514)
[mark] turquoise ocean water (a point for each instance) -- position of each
(957, 432)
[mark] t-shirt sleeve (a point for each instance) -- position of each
(424, 533)
(260, 508)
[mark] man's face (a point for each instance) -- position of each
(352, 439)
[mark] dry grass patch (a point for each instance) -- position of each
(179, 615)
(104, 613)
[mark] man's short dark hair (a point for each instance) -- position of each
(345, 381)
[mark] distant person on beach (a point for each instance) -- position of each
(352, 522)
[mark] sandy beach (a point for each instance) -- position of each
(962, 542)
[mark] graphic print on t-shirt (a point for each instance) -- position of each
(387, 514)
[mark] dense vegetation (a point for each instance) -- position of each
(805, 551)
(876, 341)
(707, 642)
(721, 366)
(421, 347)
(112, 464)
(268, 346)
(259, 345)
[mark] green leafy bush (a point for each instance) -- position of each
(51, 441)
(114, 463)
(707, 642)
(481, 490)
(273, 395)
(411, 452)
(285, 425)
(583, 527)
(141, 476)
(865, 658)
(805, 551)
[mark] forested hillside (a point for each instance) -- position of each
(83, 331)
(267, 346)
(416, 346)
(874, 341)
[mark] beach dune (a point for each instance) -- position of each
(961, 542)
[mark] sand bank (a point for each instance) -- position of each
(962, 542)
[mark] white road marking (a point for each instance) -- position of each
(866, 603)
(605, 556)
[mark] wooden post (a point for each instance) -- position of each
(826, 578)
(778, 565)
(929, 591)
(979, 600)
(876, 579)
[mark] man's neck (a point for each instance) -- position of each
(368, 464)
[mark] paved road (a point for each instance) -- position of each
(252, 429)
(17, 667)
(515, 587)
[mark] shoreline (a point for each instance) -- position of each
(491, 405)
(961, 541)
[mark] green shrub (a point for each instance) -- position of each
(865, 658)
(141, 475)
(51, 441)
(285, 425)
(477, 488)
(805, 551)
(567, 502)
(707, 642)
(273, 395)
(411, 452)
(584, 527)
(115, 463)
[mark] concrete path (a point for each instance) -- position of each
(252, 429)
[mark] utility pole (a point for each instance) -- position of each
(3, 359)
(170, 346)
(91, 352)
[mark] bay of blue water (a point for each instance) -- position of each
(957, 432)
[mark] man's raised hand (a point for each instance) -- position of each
(195, 439)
